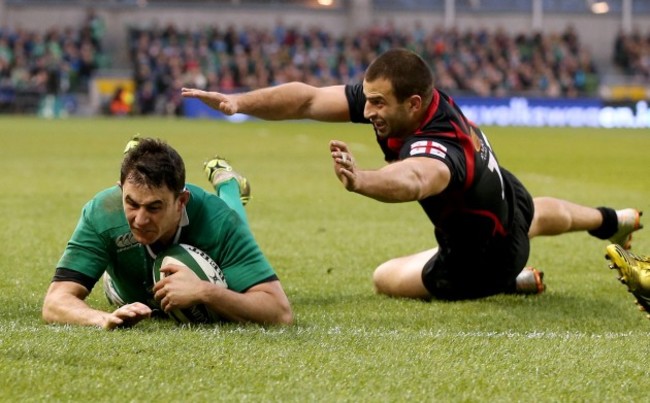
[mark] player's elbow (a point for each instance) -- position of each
(284, 315)
(281, 312)
(48, 311)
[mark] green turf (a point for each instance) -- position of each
(580, 341)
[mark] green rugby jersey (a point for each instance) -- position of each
(102, 241)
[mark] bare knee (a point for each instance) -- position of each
(395, 279)
(381, 279)
(551, 217)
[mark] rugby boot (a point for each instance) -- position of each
(218, 171)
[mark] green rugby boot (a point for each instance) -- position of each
(218, 170)
(132, 144)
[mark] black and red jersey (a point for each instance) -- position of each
(477, 205)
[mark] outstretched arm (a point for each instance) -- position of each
(407, 180)
(283, 102)
(64, 303)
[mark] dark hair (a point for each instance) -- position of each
(154, 163)
(407, 72)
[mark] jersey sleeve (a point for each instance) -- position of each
(86, 251)
(244, 264)
(438, 148)
(356, 102)
(230, 242)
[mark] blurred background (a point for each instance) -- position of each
(508, 62)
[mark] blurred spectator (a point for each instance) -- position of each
(121, 103)
(146, 99)
(632, 55)
(94, 29)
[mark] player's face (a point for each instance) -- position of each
(152, 213)
(389, 117)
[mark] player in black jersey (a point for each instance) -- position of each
(483, 216)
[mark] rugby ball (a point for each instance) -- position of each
(203, 266)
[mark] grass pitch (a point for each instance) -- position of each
(580, 341)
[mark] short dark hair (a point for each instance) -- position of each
(407, 72)
(154, 163)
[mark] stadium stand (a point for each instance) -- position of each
(161, 58)
(34, 64)
(482, 62)
(510, 6)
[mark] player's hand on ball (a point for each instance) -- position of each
(127, 315)
(183, 274)
(178, 287)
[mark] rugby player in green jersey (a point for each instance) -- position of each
(123, 228)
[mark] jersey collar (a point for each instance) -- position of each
(185, 221)
(431, 110)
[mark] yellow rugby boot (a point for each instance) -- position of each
(634, 272)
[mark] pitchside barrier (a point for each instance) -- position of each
(515, 111)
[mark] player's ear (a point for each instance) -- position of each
(414, 103)
(184, 197)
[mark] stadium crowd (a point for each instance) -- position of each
(477, 62)
(56, 61)
(480, 62)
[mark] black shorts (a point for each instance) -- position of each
(453, 276)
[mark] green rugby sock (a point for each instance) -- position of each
(228, 191)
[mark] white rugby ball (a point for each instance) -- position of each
(203, 266)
